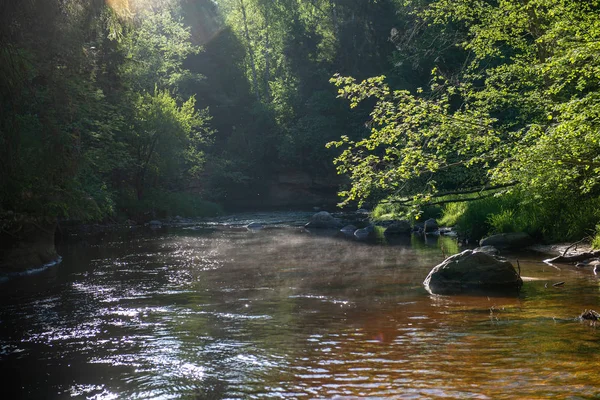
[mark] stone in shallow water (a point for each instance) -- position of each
(348, 230)
(590, 315)
(473, 272)
(398, 228)
(323, 220)
(507, 240)
(364, 233)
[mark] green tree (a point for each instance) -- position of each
(522, 112)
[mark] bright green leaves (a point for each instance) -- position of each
(154, 50)
(413, 139)
(524, 109)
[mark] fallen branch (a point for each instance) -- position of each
(571, 245)
(572, 259)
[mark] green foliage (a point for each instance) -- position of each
(550, 220)
(596, 238)
(91, 106)
(522, 111)
(388, 211)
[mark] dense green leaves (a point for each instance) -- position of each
(523, 110)
(91, 108)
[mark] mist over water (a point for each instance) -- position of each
(280, 312)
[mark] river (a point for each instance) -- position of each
(211, 312)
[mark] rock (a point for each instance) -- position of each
(430, 225)
(26, 243)
(155, 223)
(362, 211)
(348, 230)
(473, 271)
(590, 315)
(364, 233)
(385, 223)
(254, 226)
(491, 250)
(513, 240)
(398, 228)
(323, 220)
(418, 227)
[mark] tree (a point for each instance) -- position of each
(522, 112)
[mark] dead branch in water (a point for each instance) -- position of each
(572, 259)
(571, 245)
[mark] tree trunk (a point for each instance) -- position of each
(267, 50)
(250, 50)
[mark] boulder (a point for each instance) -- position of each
(513, 240)
(398, 228)
(430, 225)
(348, 230)
(155, 223)
(590, 315)
(26, 243)
(323, 220)
(364, 233)
(474, 272)
(491, 250)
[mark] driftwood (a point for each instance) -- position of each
(572, 259)
(573, 244)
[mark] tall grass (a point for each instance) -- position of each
(395, 211)
(550, 220)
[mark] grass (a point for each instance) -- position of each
(394, 211)
(549, 220)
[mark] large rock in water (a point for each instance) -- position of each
(323, 220)
(430, 225)
(473, 272)
(26, 243)
(401, 227)
(513, 240)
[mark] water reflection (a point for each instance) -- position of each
(284, 313)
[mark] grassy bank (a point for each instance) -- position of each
(547, 220)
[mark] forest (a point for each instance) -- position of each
(482, 113)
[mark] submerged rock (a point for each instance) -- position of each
(398, 228)
(507, 240)
(323, 220)
(473, 271)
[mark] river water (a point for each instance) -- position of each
(218, 312)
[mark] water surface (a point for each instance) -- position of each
(222, 312)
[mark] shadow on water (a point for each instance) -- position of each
(285, 313)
